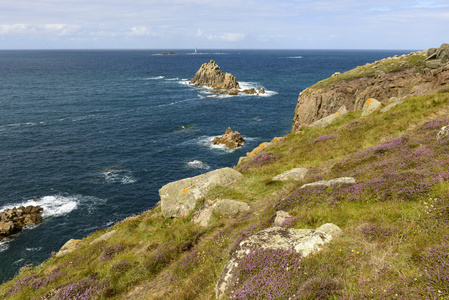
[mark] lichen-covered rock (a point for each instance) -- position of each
(211, 75)
(231, 139)
(221, 207)
(302, 241)
(293, 174)
(371, 105)
(68, 247)
(179, 198)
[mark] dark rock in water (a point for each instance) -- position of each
(13, 220)
(250, 91)
(231, 139)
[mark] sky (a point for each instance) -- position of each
(223, 24)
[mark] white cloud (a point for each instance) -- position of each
(227, 36)
(29, 29)
(140, 31)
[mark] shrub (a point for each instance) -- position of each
(325, 137)
(85, 289)
(269, 274)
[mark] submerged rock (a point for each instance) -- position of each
(179, 198)
(231, 139)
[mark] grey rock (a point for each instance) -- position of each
(303, 241)
(443, 133)
(221, 207)
(104, 237)
(393, 102)
(332, 182)
(293, 174)
(179, 198)
(281, 217)
(434, 64)
(326, 121)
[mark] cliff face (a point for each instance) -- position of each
(321, 101)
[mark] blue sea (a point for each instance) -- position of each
(91, 136)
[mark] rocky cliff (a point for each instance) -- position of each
(211, 75)
(413, 74)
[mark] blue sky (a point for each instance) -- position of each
(223, 24)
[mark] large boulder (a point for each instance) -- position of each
(371, 105)
(13, 220)
(179, 198)
(302, 241)
(231, 139)
(211, 75)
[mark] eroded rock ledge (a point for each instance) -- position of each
(231, 139)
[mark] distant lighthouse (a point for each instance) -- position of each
(196, 52)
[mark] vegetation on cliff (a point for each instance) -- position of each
(395, 242)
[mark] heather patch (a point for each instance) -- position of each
(162, 256)
(259, 160)
(120, 267)
(111, 251)
(435, 263)
(376, 232)
(269, 274)
(301, 197)
(85, 289)
(325, 137)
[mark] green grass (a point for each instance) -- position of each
(394, 220)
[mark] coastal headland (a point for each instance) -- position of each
(351, 204)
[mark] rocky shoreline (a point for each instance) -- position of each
(13, 220)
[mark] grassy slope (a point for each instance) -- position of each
(396, 234)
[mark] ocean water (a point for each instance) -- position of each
(92, 135)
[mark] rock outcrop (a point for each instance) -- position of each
(212, 76)
(231, 139)
(437, 57)
(302, 241)
(179, 198)
(13, 220)
(318, 102)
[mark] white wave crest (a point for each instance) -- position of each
(296, 57)
(154, 78)
(4, 245)
(198, 164)
(55, 205)
(118, 176)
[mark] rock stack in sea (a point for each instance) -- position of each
(231, 139)
(212, 76)
(13, 220)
